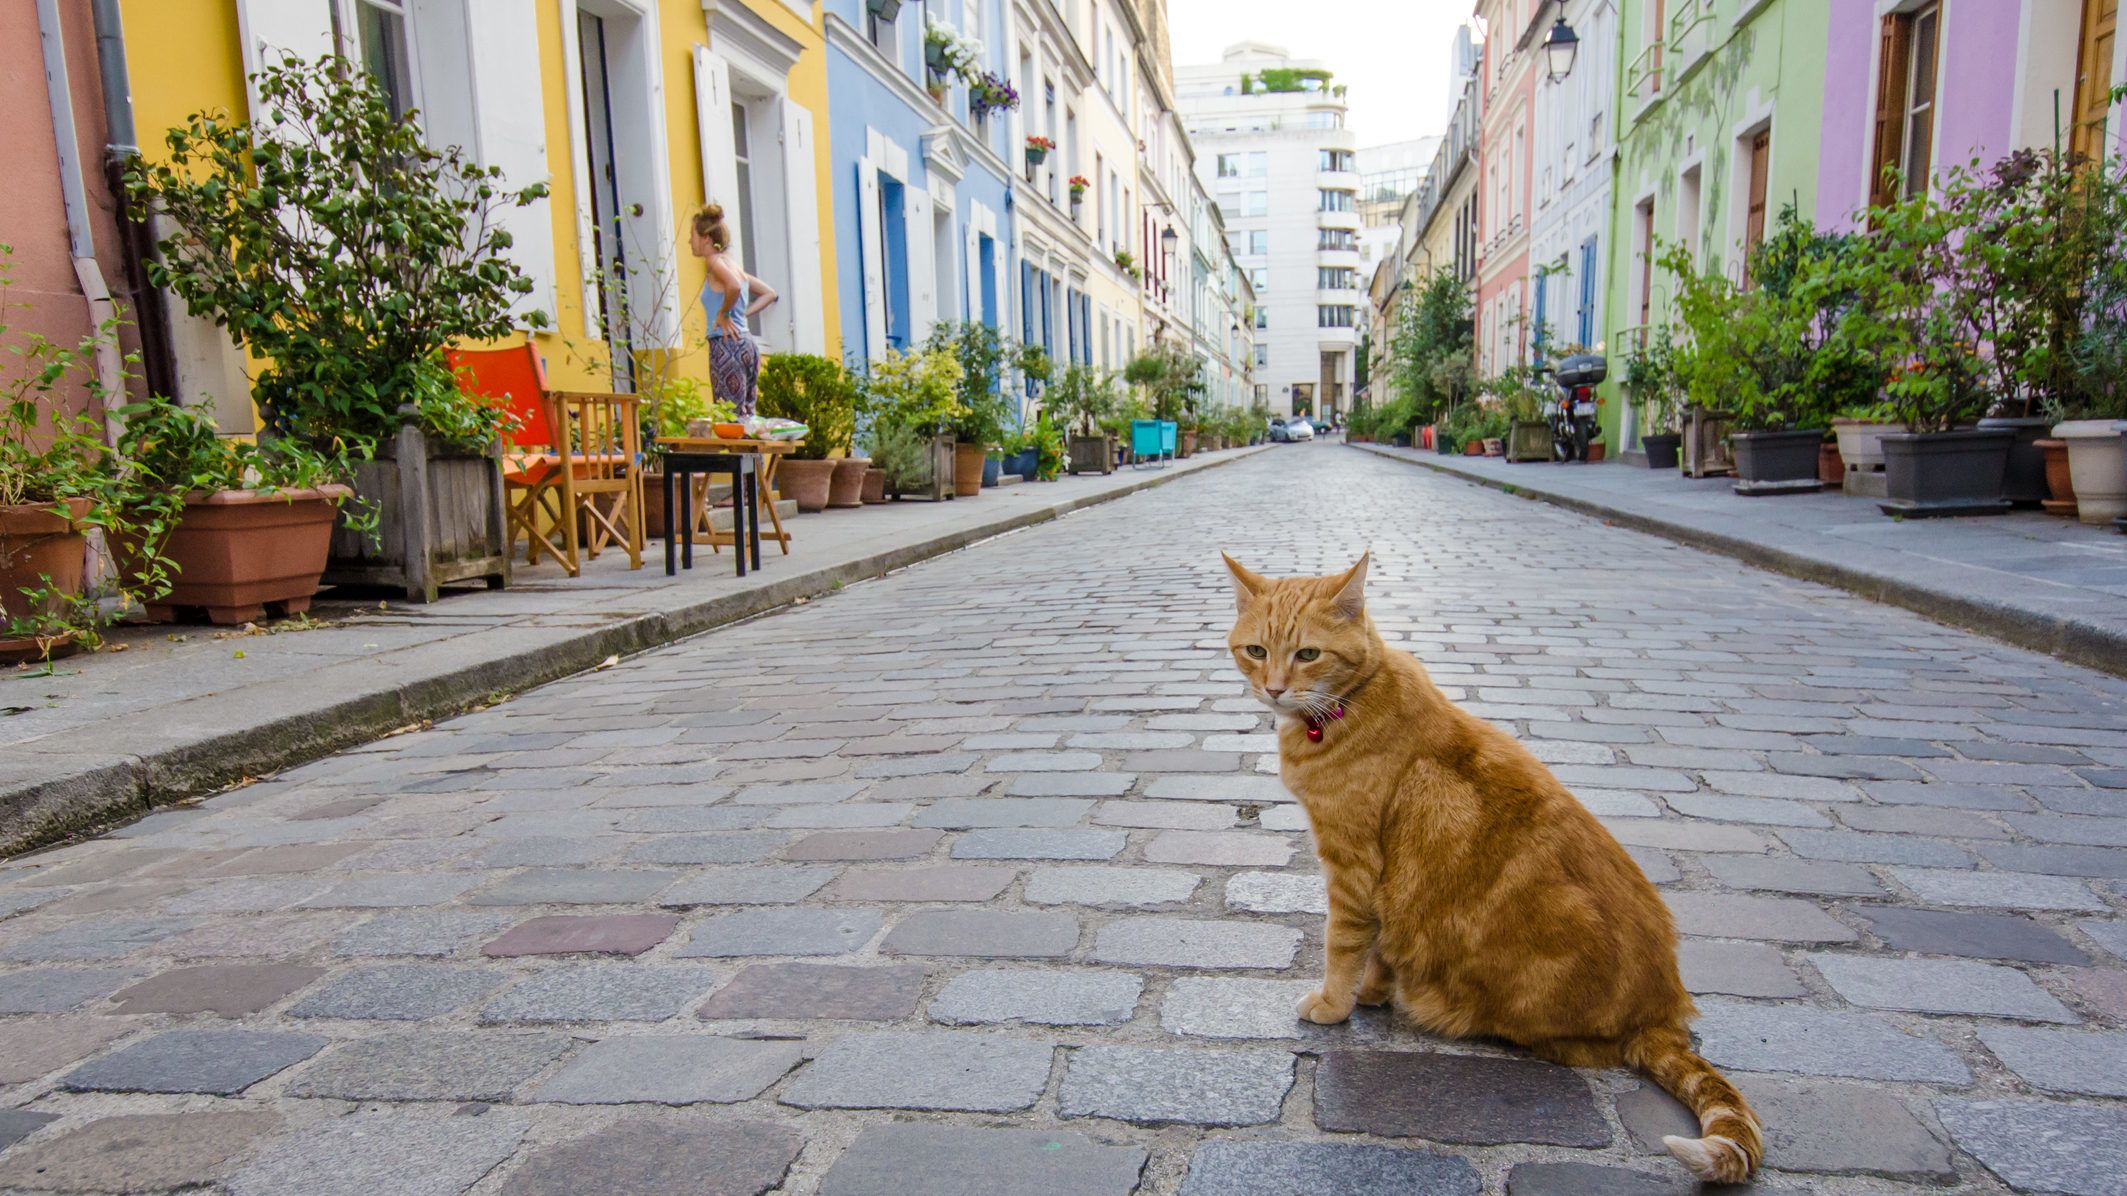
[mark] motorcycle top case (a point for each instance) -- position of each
(1583, 369)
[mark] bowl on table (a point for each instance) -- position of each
(729, 431)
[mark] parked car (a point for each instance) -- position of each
(1299, 429)
(1277, 433)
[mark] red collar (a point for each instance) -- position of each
(1314, 725)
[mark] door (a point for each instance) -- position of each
(608, 240)
(2093, 75)
(1754, 215)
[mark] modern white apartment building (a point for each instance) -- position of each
(1273, 151)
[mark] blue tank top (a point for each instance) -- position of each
(713, 302)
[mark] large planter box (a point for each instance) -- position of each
(1945, 473)
(2097, 463)
(1777, 462)
(238, 554)
(1529, 440)
(1705, 444)
(2023, 481)
(39, 540)
(440, 519)
(1092, 454)
(1861, 451)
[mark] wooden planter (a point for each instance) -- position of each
(1705, 445)
(39, 541)
(936, 483)
(441, 519)
(1529, 440)
(238, 554)
(1092, 454)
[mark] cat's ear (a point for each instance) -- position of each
(1350, 598)
(1246, 585)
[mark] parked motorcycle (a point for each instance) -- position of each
(1572, 412)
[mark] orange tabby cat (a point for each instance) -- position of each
(1465, 882)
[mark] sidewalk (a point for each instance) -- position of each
(2034, 580)
(184, 710)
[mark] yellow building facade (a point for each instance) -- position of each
(634, 112)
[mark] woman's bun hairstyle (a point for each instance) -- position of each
(709, 222)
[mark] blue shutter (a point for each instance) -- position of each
(1536, 338)
(1587, 292)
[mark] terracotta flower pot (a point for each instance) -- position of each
(1831, 470)
(1595, 452)
(237, 553)
(2060, 484)
(1474, 448)
(874, 486)
(847, 488)
(654, 503)
(967, 469)
(39, 541)
(806, 482)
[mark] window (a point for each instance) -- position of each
(1323, 120)
(1337, 238)
(1333, 316)
(1258, 164)
(742, 153)
(1760, 147)
(1335, 278)
(1905, 104)
(1687, 212)
(1258, 241)
(1262, 317)
(1259, 278)
(1258, 203)
(885, 35)
(1335, 201)
(381, 28)
(2093, 76)
(1643, 217)
(1332, 159)
(1230, 166)
(1262, 357)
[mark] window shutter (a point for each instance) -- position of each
(720, 162)
(1891, 67)
(922, 265)
(806, 299)
(274, 28)
(872, 246)
(509, 114)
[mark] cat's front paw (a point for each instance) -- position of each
(1317, 1007)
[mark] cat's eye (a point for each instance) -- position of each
(1306, 654)
(1255, 651)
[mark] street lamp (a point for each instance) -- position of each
(1169, 237)
(1560, 47)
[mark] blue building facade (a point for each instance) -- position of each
(924, 181)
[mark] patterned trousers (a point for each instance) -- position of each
(735, 368)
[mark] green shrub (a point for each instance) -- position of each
(815, 391)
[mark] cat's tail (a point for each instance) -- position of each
(1732, 1141)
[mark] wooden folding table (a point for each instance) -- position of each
(771, 453)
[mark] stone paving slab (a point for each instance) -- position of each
(137, 1153)
(1864, 977)
(938, 1160)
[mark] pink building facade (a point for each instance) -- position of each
(1929, 85)
(1507, 83)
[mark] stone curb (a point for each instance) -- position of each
(2069, 639)
(90, 795)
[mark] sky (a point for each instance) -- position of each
(1392, 54)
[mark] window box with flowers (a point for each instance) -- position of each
(1038, 150)
(948, 55)
(1127, 263)
(989, 92)
(1078, 185)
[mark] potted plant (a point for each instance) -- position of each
(677, 406)
(1048, 447)
(1038, 148)
(1650, 384)
(1126, 262)
(990, 92)
(885, 10)
(1082, 403)
(229, 528)
(913, 399)
(261, 215)
(817, 392)
(947, 54)
(978, 422)
(51, 491)
(1173, 380)
(1078, 186)
(2097, 390)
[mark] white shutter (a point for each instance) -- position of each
(922, 265)
(872, 247)
(509, 114)
(272, 29)
(720, 159)
(807, 298)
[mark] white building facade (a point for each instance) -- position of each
(1575, 144)
(1273, 151)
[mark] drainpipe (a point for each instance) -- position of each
(158, 361)
(81, 241)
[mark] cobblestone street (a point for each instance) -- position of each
(979, 879)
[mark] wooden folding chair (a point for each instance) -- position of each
(574, 455)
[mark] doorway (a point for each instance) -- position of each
(608, 232)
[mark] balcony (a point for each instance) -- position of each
(1348, 220)
(1337, 180)
(1643, 77)
(1690, 35)
(1339, 257)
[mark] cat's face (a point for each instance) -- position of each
(1300, 641)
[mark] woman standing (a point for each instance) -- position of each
(734, 360)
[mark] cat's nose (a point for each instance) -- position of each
(1275, 691)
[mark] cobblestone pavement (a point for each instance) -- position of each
(979, 879)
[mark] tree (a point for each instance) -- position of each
(1172, 376)
(1430, 364)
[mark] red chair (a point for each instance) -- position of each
(572, 455)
